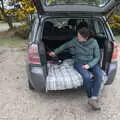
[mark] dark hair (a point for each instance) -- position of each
(84, 32)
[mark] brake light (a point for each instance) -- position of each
(33, 56)
(115, 52)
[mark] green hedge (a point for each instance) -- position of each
(115, 24)
(22, 31)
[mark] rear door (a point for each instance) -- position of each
(90, 7)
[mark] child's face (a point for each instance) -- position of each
(80, 38)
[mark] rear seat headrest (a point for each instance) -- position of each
(48, 24)
(72, 22)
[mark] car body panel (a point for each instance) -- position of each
(36, 77)
(111, 72)
(91, 9)
(38, 81)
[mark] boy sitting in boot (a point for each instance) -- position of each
(86, 57)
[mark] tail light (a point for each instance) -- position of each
(33, 56)
(115, 54)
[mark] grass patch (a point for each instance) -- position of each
(8, 39)
(2, 22)
(118, 38)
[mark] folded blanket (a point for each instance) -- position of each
(63, 76)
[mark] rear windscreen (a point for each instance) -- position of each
(98, 3)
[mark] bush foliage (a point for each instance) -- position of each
(115, 24)
(22, 31)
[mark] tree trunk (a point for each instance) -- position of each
(7, 18)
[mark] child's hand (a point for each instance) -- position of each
(86, 66)
(52, 54)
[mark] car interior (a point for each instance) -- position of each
(58, 31)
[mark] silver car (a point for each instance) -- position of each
(55, 23)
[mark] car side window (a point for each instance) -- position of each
(98, 27)
(32, 34)
(30, 37)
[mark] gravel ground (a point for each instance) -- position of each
(17, 102)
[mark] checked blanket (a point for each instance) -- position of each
(63, 76)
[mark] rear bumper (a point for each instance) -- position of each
(36, 77)
(112, 72)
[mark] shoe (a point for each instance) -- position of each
(94, 104)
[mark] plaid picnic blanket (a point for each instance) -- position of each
(63, 76)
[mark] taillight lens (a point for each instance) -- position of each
(33, 56)
(115, 54)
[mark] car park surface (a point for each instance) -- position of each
(17, 102)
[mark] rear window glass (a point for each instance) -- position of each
(63, 25)
(98, 3)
